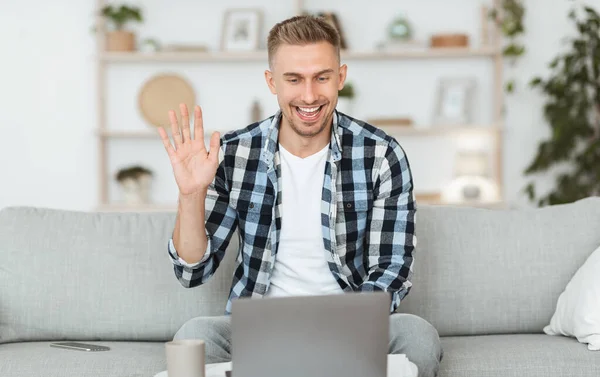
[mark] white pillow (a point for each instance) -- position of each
(578, 308)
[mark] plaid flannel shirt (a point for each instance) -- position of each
(367, 211)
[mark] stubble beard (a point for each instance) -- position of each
(324, 123)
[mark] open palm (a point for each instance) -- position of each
(193, 165)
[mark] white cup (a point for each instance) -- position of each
(185, 358)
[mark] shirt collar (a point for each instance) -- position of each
(270, 147)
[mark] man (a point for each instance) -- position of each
(323, 202)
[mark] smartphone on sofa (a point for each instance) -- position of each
(79, 346)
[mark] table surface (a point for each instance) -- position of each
(398, 366)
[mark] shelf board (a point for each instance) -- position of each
(132, 57)
(426, 53)
(435, 199)
(261, 55)
(438, 130)
(392, 130)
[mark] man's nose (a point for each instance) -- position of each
(308, 94)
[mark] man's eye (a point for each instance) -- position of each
(293, 81)
(323, 79)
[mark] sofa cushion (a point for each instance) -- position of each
(124, 359)
(104, 276)
(489, 356)
(487, 271)
(530, 355)
(578, 308)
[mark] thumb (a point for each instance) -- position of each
(215, 145)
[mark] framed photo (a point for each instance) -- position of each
(334, 21)
(454, 101)
(241, 30)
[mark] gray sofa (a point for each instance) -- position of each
(488, 280)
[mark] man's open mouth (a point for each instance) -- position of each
(309, 114)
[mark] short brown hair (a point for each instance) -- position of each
(302, 30)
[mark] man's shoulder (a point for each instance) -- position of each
(364, 133)
(256, 130)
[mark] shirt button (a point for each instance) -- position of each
(348, 205)
(251, 205)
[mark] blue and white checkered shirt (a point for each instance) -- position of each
(367, 211)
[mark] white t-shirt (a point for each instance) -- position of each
(300, 267)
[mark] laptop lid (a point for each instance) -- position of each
(336, 335)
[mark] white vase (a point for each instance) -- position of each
(344, 105)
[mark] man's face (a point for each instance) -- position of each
(306, 80)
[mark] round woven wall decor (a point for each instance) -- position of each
(162, 93)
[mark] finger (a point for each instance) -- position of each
(185, 123)
(166, 142)
(175, 129)
(198, 124)
(215, 146)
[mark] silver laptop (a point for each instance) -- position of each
(318, 336)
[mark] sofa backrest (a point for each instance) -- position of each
(107, 276)
(95, 276)
(482, 271)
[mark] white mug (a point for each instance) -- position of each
(185, 358)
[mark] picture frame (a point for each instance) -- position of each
(241, 29)
(454, 103)
(333, 19)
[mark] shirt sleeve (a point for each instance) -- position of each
(221, 222)
(177, 259)
(390, 233)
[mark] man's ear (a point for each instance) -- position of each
(270, 81)
(343, 72)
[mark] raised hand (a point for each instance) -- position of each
(194, 167)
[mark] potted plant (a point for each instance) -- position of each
(346, 98)
(135, 182)
(119, 39)
(571, 152)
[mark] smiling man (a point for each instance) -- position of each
(323, 202)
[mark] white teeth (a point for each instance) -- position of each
(309, 109)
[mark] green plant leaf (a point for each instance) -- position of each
(591, 12)
(347, 90)
(530, 191)
(536, 81)
(510, 86)
(513, 50)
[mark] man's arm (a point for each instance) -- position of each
(189, 235)
(203, 230)
(390, 235)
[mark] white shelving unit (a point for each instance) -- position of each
(491, 50)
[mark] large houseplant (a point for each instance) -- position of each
(572, 110)
(118, 38)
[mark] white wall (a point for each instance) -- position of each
(48, 154)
